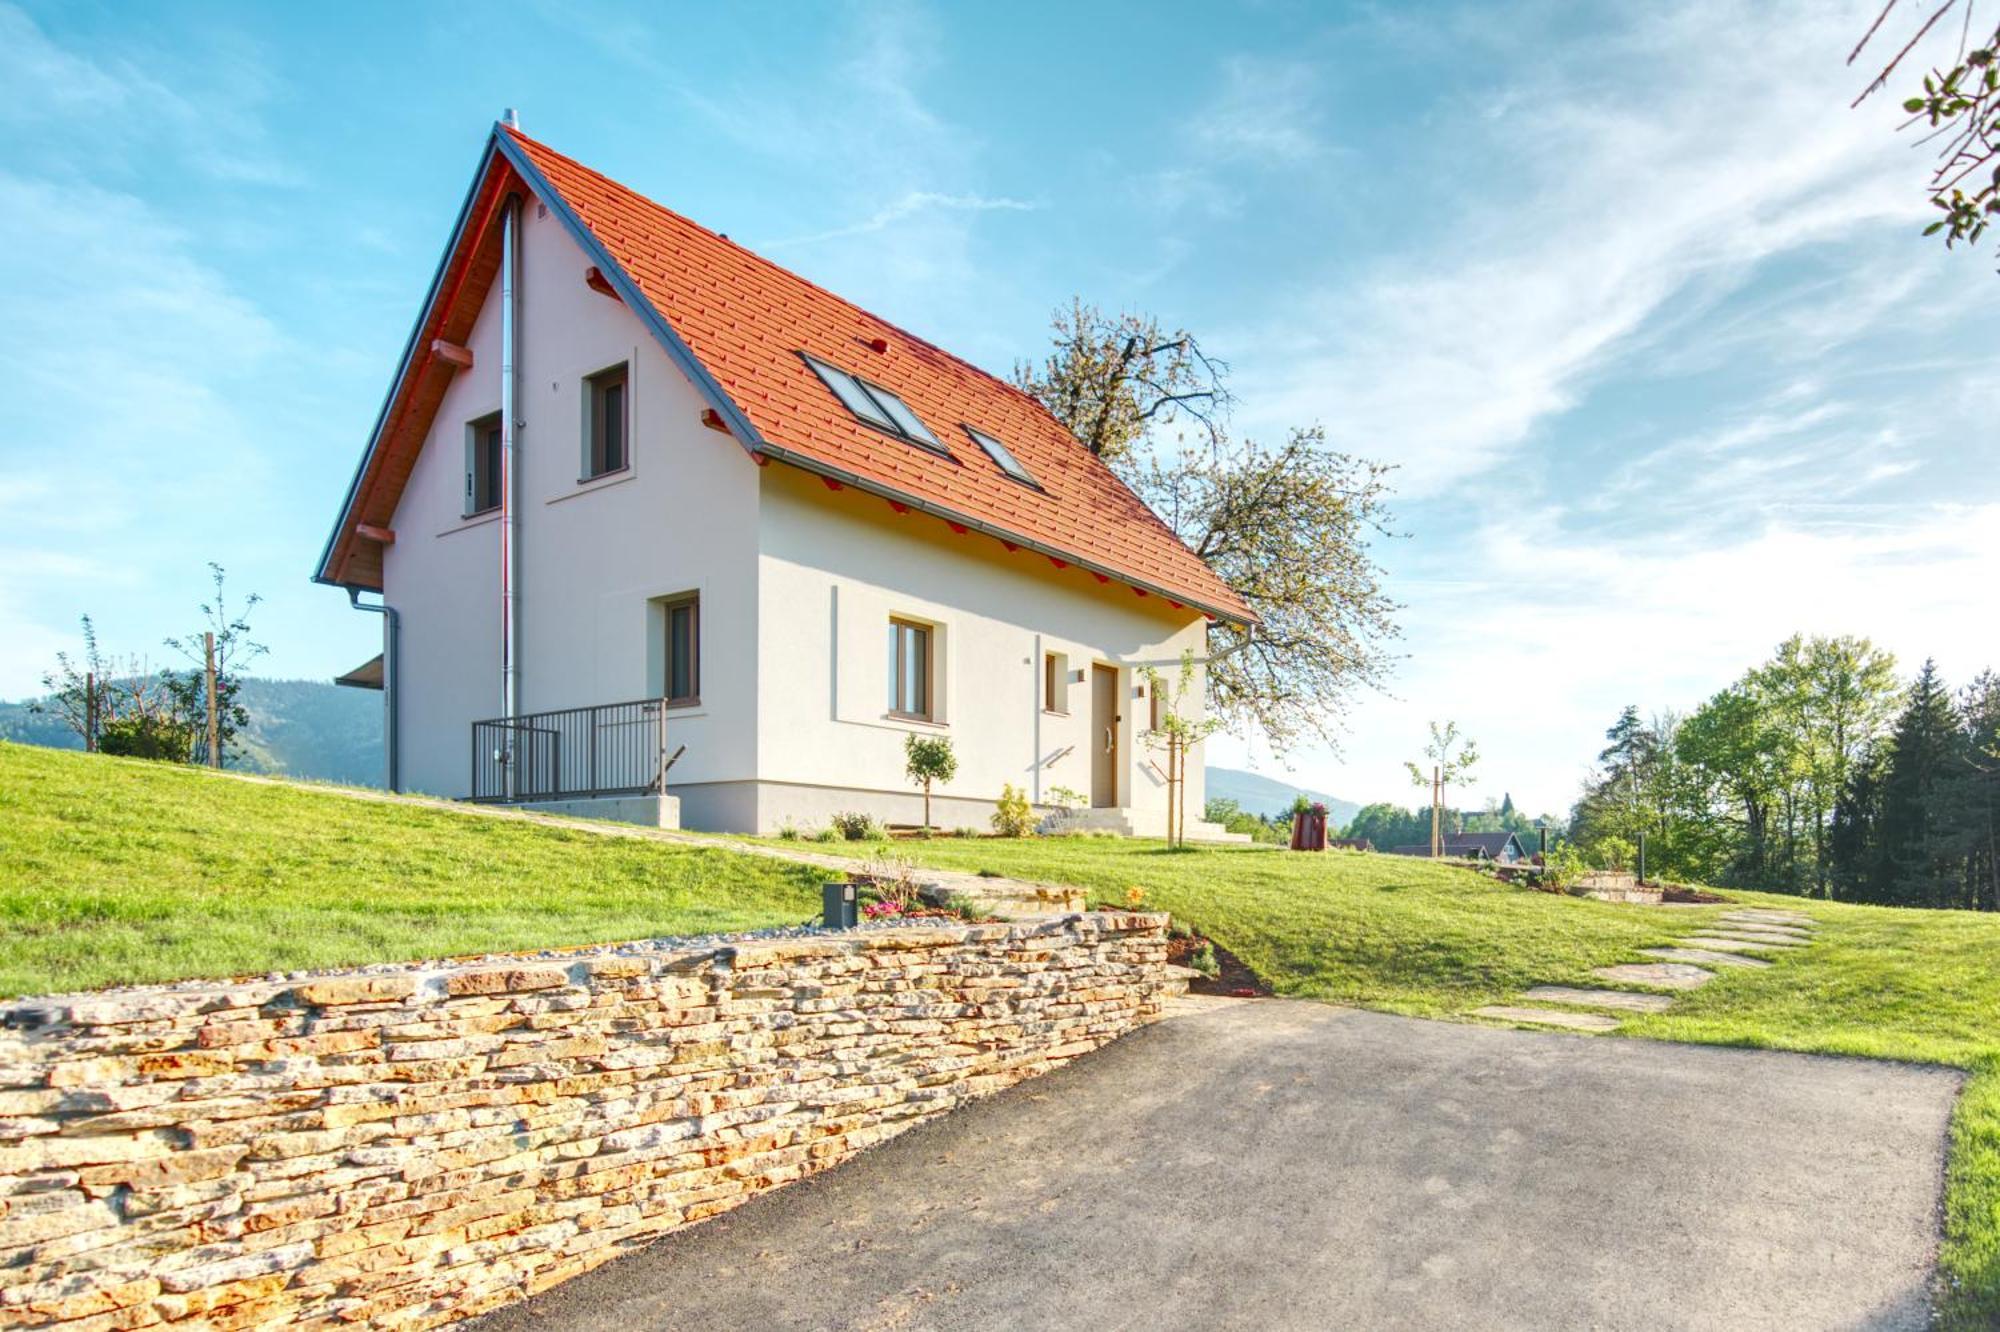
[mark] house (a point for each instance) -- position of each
(1501, 847)
(658, 529)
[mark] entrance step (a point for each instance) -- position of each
(1625, 999)
(1548, 1017)
(1723, 945)
(1662, 975)
(1704, 957)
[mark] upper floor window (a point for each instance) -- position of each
(607, 422)
(876, 406)
(910, 669)
(482, 465)
(1003, 457)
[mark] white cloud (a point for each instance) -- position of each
(1266, 112)
(1608, 213)
(913, 203)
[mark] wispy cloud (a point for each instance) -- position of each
(913, 203)
(1265, 112)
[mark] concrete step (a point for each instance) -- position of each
(1584, 998)
(1548, 1017)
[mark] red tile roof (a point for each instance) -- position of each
(746, 320)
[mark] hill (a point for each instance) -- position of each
(1257, 794)
(298, 728)
(118, 871)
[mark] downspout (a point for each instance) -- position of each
(391, 631)
(510, 532)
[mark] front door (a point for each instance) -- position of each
(1103, 737)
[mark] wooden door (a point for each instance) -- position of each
(1103, 737)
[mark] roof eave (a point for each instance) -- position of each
(868, 485)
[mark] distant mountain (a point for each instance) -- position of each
(1257, 794)
(298, 728)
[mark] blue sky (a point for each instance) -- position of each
(1640, 315)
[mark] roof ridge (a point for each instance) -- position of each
(796, 276)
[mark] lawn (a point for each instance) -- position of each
(119, 871)
(1410, 937)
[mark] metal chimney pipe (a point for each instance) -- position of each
(510, 531)
(511, 118)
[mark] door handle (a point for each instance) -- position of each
(1109, 746)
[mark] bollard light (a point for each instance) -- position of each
(839, 909)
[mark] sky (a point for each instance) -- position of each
(1632, 301)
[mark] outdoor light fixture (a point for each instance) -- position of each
(838, 910)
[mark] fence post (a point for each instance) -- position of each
(90, 712)
(214, 729)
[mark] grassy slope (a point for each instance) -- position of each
(116, 871)
(1410, 937)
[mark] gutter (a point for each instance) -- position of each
(392, 625)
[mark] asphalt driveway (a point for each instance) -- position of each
(1292, 1165)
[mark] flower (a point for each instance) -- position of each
(1134, 895)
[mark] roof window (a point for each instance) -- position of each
(876, 406)
(1003, 457)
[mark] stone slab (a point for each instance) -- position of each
(1625, 999)
(1548, 1017)
(1758, 934)
(1772, 917)
(1725, 945)
(1704, 957)
(1662, 975)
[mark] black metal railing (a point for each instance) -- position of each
(575, 754)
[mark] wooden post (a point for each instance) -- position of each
(90, 712)
(1437, 812)
(1173, 750)
(214, 728)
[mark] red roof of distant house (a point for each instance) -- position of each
(744, 320)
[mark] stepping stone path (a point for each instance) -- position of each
(1704, 957)
(1724, 941)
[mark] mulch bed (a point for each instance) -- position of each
(1232, 977)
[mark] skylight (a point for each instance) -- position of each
(1003, 458)
(877, 406)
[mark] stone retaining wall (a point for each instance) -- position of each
(407, 1146)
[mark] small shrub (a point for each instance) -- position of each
(1015, 817)
(787, 832)
(827, 835)
(1203, 960)
(148, 737)
(965, 832)
(857, 827)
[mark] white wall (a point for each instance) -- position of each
(594, 555)
(836, 565)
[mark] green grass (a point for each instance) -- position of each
(119, 871)
(1410, 937)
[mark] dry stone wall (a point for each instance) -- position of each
(407, 1146)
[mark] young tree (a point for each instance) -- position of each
(1180, 729)
(1959, 109)
(928, 759)
(1287, 526)
(1452, 759)
(234, 650)
(82, 699)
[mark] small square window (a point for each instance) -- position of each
(607, 423)
(1003, 457)
(482, 465)
(910, 669)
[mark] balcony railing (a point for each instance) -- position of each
(575, 754)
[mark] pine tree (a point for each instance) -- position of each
(1979, 790)
(1913, 840)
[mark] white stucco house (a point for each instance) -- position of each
(660, 530)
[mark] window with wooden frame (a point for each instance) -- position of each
(1055, 683)
(910, 669)
(1157, 712)
(482, 465)
(682, 676)
(607, 422)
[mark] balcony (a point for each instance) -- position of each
(612, 749)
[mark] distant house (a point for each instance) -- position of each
(661, 530)
(1502, 848)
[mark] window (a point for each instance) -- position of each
(1003, 457)
(482, 465)
(1055, 682)
(1159, 705)
(683, 655)
(876, 406)
(909, 669)
(606, 420)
